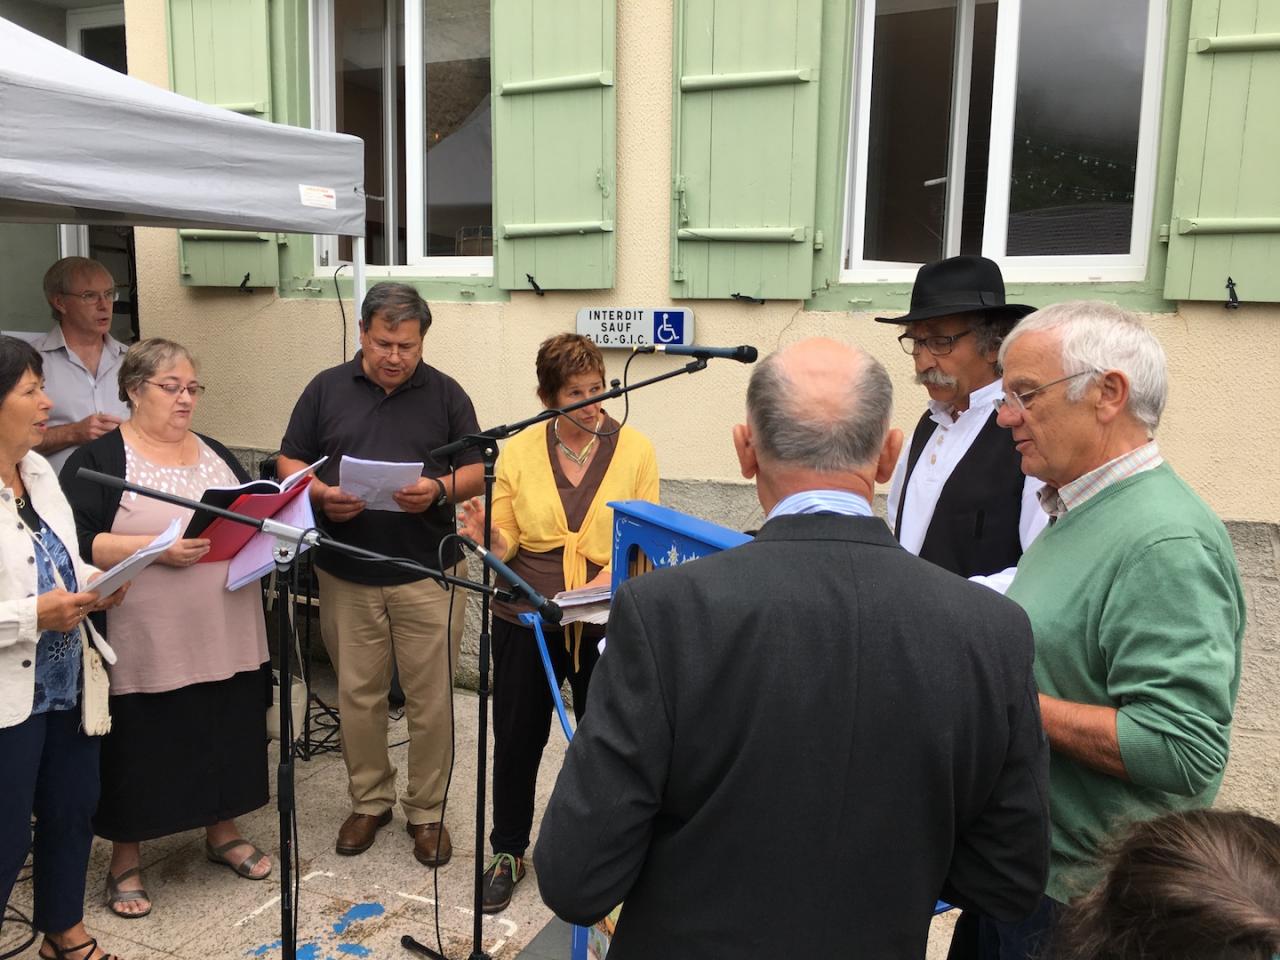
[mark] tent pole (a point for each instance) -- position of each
(360, 284)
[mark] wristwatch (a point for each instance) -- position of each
(441, 500)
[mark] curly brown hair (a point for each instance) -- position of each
(563, 356)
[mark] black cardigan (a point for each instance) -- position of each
(93, 504)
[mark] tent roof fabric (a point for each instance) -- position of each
(81, 143)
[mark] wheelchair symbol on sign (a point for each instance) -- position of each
(665, 332)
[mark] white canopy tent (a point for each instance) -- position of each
(81, 143)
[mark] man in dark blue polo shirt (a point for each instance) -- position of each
(387, 404)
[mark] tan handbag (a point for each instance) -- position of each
(96, 717)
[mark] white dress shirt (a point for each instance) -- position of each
(945, 449)
(76, 393)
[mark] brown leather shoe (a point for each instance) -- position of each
(358, 830)
(431, 843)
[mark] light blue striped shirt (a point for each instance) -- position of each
(821, 501)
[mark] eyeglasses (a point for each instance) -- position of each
(938, 346)
(173, 389)
(93, 296)
(1021, 402)
(391, 349)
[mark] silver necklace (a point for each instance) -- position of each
(579, 458)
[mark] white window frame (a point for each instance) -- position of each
(73, 238)
(1018, 269)
(324, 117)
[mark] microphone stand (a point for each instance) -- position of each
(487, 443)
(289, 540)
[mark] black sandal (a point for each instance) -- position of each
(65, 953)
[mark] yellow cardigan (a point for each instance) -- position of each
(528, 511)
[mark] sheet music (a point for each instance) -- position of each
(585, 604)
(131, 566)
(257, 557)
(374, 481)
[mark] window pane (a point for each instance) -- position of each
(359, 62)
(1075, 131)
(105, 45)
(911, 71)
(458, 191)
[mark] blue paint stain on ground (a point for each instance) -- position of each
(360, 911)
(314, 950)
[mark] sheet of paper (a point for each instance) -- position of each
(293, 478)
(131, 566)
(584, 595)
(256, 558)
(374, 481)
(597, 612)
(586, 604)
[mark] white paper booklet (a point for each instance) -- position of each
(131, 566)
(256, 558)
(374, 481)
(585, 605)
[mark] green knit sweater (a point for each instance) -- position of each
(1136, 603)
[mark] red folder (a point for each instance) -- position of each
(229, 537)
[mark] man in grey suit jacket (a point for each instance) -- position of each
(795, 746)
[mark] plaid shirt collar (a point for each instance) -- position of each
(1056, 502)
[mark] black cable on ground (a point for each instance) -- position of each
(12, 915)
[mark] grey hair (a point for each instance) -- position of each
(989, 332)
(788, 432)
(145, 359)
(397, 302)
(1095, 336)
(57, 279)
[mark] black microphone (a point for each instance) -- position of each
(549, 609)
(743, 354)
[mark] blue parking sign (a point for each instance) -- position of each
(668, 326)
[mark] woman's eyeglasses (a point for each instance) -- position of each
(173, 389)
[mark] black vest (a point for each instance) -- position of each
(974, 528)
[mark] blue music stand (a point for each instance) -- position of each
(578, 943)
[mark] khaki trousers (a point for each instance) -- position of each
(361, 625)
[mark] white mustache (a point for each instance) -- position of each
(935, 378)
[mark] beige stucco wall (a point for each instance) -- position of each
(257, 352)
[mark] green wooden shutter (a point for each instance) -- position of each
(553, 143)
(1226, 198)
(745, 142)
(220, 52)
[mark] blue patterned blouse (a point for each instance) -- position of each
(57, 654)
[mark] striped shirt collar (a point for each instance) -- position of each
(821, 501)
(1083, 488)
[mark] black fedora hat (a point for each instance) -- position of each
(964, 284)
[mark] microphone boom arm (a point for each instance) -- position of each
(493, 434)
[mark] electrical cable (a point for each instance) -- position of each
(342, 308)
(626, 406)
(448, 780)
(12, 915)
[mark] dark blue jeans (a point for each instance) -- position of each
(51, 769)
